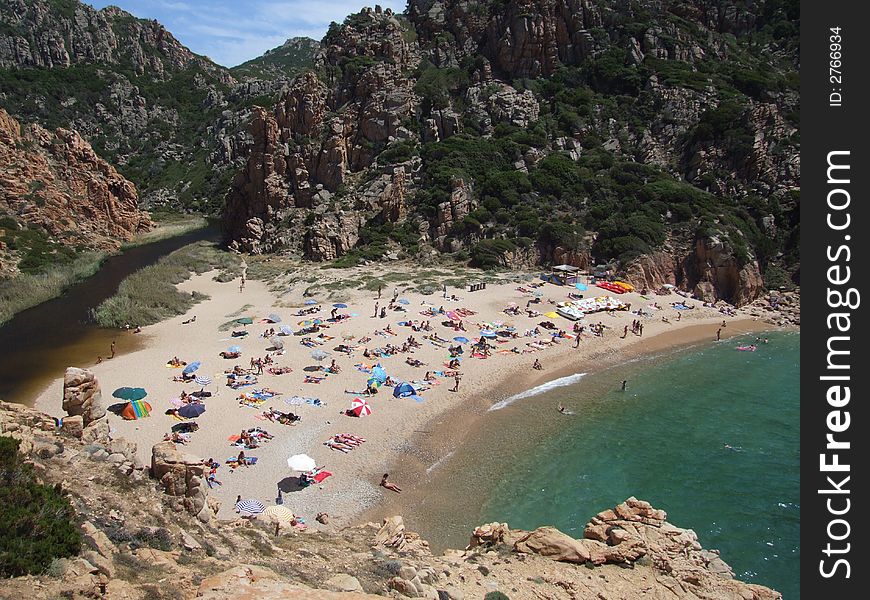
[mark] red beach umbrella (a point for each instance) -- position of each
(360, 407)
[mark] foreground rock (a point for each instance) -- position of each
(82, 395)
(141, 540)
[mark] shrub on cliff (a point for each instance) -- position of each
(36, 521)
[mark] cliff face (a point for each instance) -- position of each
(54, 181)
(156, 548)
(171, 120)
(473, 101)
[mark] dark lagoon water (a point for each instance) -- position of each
(709, 434)
(37, 344)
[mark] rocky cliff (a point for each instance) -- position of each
(172, 121)
(142, 541)
(54, 183)
(679, 120)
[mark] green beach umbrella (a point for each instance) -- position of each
(245, 321)
(130, 393)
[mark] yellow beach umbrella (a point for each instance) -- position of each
(279, 514)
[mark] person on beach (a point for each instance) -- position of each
(241, 459)
(376, 310)
(389, 485)
(624, 383)
(380, 287)
(383, 312)
(719, 334)
(624, 332)
(537, 365)
(99, 359)
(456, 379)
(113, 349)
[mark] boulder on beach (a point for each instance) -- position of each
(82, 395)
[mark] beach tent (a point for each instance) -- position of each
(301, 462)
(130, 393)
(245, 321)
(404, 389)
(192, 367)
(252, 507)
(360, 408)
(136, 409)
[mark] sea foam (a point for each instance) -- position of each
(544, 387)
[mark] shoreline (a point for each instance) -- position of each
(446, 435)
(399, 433)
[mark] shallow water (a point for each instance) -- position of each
(710, 434)
(37, 344)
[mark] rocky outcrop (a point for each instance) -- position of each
(249, 582)
(181, 476)
(82, 396)
(56, 182)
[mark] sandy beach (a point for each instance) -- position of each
(398, 428)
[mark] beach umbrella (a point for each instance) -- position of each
(379, 373)
(453, 316)
(234, 349)
(192, 367)
(276, 342)
(286, 330)
(403, 301)
(551, 315)
(203, 380)
(301, 462)
(486, 333)
(245, 321)
(250, 506)
(191, 411)
(279, 514)
(339, 305)
(310, 302)
(404, 389)
(129, 393)
(319, 354)
(360, 407)
(186, 427)
(373, 383)
(581, 286)
(273, 318)
(461, 339)
(136, 409)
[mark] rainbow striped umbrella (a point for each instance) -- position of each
(136, 409)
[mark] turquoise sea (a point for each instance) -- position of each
(710, 434)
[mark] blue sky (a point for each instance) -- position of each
(233, 31)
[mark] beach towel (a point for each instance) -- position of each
(299, 400)
(312, 379)
(321, 476)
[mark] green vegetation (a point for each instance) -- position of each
(149, 295)
(292, 57)
(37, 522)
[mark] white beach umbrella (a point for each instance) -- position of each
(301, 462)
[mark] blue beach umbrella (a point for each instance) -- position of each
(192, 367)
(191, 411)
(581, 286)
(340, 305)
(379, 373)
(403, 301)
(234, 349)
(130, 393)
(273, 318)
(286, 330)
(252, 507)
(461, 339)
(487, 334)
(310, 302)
